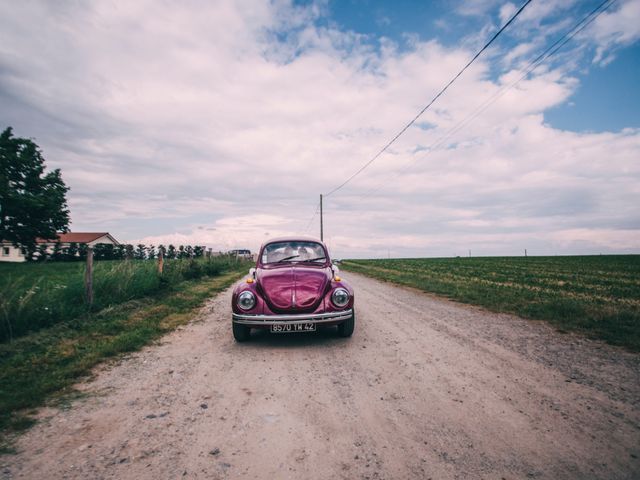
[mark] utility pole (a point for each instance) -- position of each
(321, 226)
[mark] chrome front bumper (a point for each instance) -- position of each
(279, 319)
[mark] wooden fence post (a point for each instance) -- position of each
(160, 262)
(88, 277)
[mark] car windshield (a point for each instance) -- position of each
(286, 252)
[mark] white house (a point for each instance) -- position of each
(9, 253)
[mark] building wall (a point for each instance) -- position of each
(102, 239)
(9, 253)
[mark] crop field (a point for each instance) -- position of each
(597, 295)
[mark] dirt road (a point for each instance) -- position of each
(426, 388)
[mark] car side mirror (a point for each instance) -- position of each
(252, 272)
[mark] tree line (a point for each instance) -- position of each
(105, 251)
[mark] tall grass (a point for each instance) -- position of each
(36, 296)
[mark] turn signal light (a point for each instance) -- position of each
(337, 279)
(249, 280)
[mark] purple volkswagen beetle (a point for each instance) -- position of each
(294, 288)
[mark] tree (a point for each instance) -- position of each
(108, 251)
(171, 252)
(82, 251)
(32, 203)
(103, 251)
(57, 254)
(141, 252)
(119, 252)
(72, 252)
(43, 255)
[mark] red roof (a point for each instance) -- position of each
(75, 237)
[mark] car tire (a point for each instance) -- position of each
(345, 329)
(241, 332)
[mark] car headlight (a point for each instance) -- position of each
(340, 297)
(246, 300)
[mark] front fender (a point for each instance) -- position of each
(252, 287)
(328, 304)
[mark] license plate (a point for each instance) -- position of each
(293, 327)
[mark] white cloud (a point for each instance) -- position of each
(247, 231)
(614, 28)
(219, 123)
(506, 12)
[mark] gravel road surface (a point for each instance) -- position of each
(426, 388)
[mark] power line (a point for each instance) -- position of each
(311, 219)
(551, 50)
(532, 65)
(406, 127)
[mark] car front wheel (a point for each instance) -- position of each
(345, 329)
(241, 332)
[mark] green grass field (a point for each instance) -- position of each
(42, 364)
(38, 295)
(596, 295)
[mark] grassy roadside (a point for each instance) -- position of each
(40, 366)
(598, 296)
(39, 295)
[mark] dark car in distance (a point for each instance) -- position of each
(293, 288)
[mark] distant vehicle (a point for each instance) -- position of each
(243, 253)
(293, 288)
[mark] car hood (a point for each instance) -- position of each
(293, 288)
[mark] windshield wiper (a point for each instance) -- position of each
(287, 258)
(314, 259)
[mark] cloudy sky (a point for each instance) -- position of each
(220, 122)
